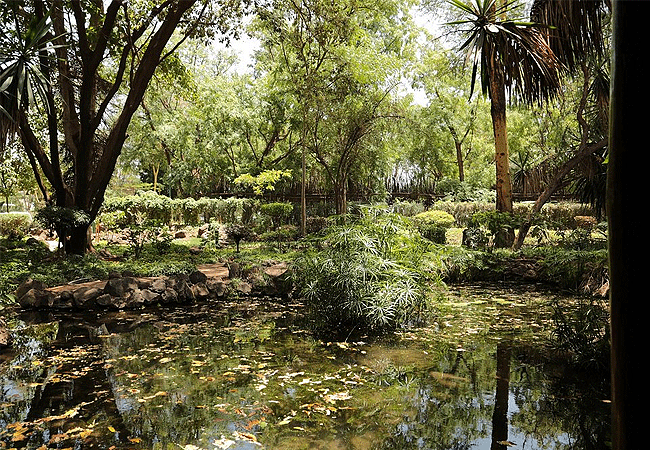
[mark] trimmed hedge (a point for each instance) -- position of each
(558, 215)
(122, 212)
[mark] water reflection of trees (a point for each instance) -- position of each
(554, 406)
(178, 378)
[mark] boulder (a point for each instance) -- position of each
(217, 287)
(200, 291)
(86, 297)
(29, 284)
(36, 298)
(120, 287)
(197, 277)
(169, 296)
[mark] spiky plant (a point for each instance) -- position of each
(370, 276)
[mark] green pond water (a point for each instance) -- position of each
(248, 374)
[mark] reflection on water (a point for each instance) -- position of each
(248, 375)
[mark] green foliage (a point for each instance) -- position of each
(278, 212)
(434, 232)
(62, 220)
(496, 223)
(264, 182)
(435, 217)
(123, 212)
(281, 235)
(14, 225)
(316, 224)
(583, 331)
(370, 275)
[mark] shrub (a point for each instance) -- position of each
(316, 224)
(500, 225)
(14, 225)
(369, 276)
(278, 212)
(434, 233)
(433, 225)
(434, 217)
(62, 220)
(238, 232)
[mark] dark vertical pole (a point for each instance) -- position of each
(627, 180)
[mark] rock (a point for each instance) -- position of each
(122, 291)
(196, 250)
(86, 296)
(180, 234)
(234, 270)
(36, 298)
(276, 270)
(151, 297)
(104, 300)
(180, 285)
(200, 291)
(158, 285)
(198, 277)
(217, 287)
(120, 287)
(169, 296)
(29, 284)
(243, 287)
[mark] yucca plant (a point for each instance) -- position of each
(22, 81)
(509, 55)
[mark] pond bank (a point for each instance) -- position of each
(273, 278)
(126, 291)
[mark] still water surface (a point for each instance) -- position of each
(249, 375)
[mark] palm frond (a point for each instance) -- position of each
(574, 27)
(530, 68)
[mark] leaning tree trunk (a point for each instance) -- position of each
(552, 187)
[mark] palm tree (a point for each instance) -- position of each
(514, 61)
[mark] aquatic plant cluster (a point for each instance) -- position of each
(370, 275)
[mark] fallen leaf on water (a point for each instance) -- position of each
(332, 398)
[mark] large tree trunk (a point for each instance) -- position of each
(502, 154)
(505, 237)
(626, 180)
(93, 149)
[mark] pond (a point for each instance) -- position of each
(248, 374)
